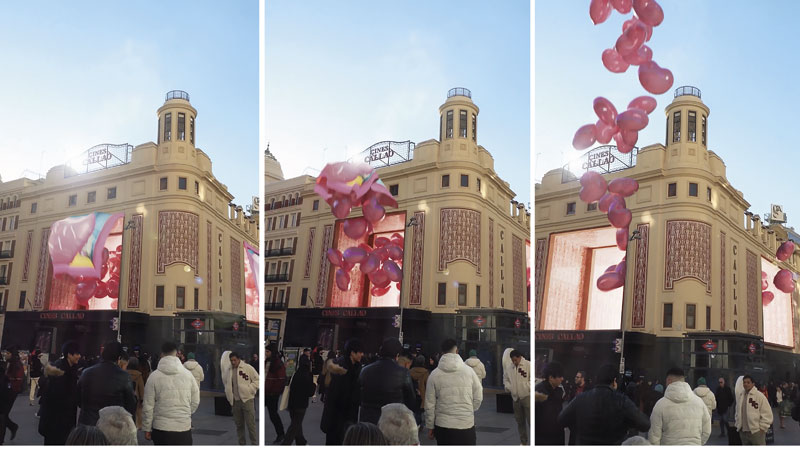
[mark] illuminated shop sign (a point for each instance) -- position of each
(386, 153)
(603, 160)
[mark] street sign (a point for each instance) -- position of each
(114, 323)
(710, 345)
(618, 345)
(622, 365)
(198, 324)
(396, 321)
(480, 321)
(236, 326)
(752, 348)
(517, 324)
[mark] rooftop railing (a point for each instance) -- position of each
(177, 95)
(459, 91)
(687, 90)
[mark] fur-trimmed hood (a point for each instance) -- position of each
(336, 369)
(52, 370)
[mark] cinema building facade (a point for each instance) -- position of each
(693, 287)
(465, 255)
(149, 228)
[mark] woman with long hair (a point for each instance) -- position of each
(274, 382)
(301, 388)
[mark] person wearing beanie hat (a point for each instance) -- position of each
(477, 366)
(195, 368)
(706, 395)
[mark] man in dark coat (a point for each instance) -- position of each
(548, 431)
(6, 400)
(105, 384)
(59, 390)
(343, 396)
(602, 416)
(384, 381)
(316, 368)
(725, 399)
(300, 390)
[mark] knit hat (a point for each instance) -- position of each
(701, 381)
(473, 353)
(190, 356)
(659, 388)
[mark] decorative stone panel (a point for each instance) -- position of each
(209, 249)
(236, 276)
(26, 265)
(640, 277)
(310, 252)
(539, 268)
(322, 282)
(491, 263)
(460, 237)
(135, 261)
(178, 234)
(518, 259)
(688, 253)
(723, 272)
(753, 289)
(42, 273)
(417, 256)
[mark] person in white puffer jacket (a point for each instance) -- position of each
(681, 417)
(195, 368)
(171, 396)
(705, 394)
(475, 363)
(452, 395)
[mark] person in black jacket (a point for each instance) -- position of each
(35, 373)
(316, 369)
(300, 389)
(547, 431)
(58, 407)
(6, 401)
(343, 396)
(725, 399)
(602, 416)
(384, 381)
(105, 384)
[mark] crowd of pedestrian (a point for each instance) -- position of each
(604, 410)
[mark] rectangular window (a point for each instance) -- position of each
(690, 315)
(22, 296)
(196, 298)
(180, 297)
(464, 180)
(304, 297)
(91, 197)
(393, 189)
(667, 319)
(449, 129)
(442, 297)
(163, 183)
(269, 296)
(591, 207)
(708, 317)
(570, 208)
(462, 295)
(462, 123)
(191, 130)
(479, 184)
(73, 200)
(440, 128)
(474, 128)
(181, 126)
(693, 189)
(676, 127)
(692, 127)
(181, 183)
(167, 127)
(477, 296)
(708, 194)
(197, 187)
(315, 205)
(159, 296)
(446, 181)
(34, 206)
(294, 218)
(672, 190)
(703, 129)
(281, 293)
(111, 193)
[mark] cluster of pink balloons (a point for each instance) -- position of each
(623, 127)
(90, 287)
(383, 264)
(630, 48)
(784, 279)
(610, 198)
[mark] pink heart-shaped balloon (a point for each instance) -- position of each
(605, 110)
(619, 216)
(622, 239)
(631, 39)
(623, 6)
(632, 119)
(341, 207)
(379, 292)
(614, 62)
(622, 146)
(354, 255)
(335, 257)
(766, 297)
(371, 263)
(621, 268)
(655, 79)
(633, 20)
(645, 103)
(609, 281)
(624, 186)
(605, 131)
(584, 137)
(342, 280)
(605, 202)
(785, 250)
(355, 227)
(764, 281)
(599, 10)
(783, 281)
(591, 193)
(630, 137)
(642, 55)
(393, 270)
(649, 12)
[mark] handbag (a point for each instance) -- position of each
(284, 403)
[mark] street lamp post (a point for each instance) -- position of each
(411, 222)
(636, 235)
(129, 225)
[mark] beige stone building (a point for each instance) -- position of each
(465, 262)
(693, 266)
(181, 271)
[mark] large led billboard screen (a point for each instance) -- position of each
(251, 282)
(778, 327)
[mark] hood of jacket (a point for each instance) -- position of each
(169, 365)
(450, 362)
(418, 373)
(191, 365)
(473, 361)
(336, 369)
(135, 374)
(702, 391)
(678, 392)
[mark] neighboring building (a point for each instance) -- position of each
(465, 250)
(693, 276)
(180, 272)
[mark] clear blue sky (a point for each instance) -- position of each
(78, 74)
(741, 54)
(344, 75)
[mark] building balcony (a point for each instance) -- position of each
(276, 278)
(459, 91)
(280, 252)
(276, 306)
(687, 90)
(6, 254)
